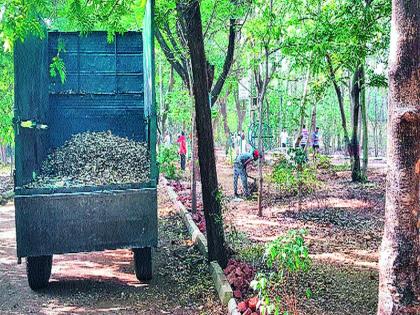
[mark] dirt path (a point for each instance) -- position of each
(104, 282)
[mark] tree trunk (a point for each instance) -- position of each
(280, 119)
(223, 111)
(193, 149)
(375, 125)
(211, 195)
(399, 271)
(260, 149)
(261, 89)
(356, 174)
(313, 118)
(340, 104)
(165, 111)
(193, 162)
(302, 105)
(364, 124)
(240, 109)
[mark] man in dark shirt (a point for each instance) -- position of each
(239, 170)
(315, 140)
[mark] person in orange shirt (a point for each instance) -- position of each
(182, 149)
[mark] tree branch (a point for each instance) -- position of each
(170, 56)
(227, 64)
(210, 19)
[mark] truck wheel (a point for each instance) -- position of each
(38, 270)
(143, 263)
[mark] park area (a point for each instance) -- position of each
(240, 157)
(344, 223)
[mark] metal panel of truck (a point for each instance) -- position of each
(104, 90)
(104, 87)
(81, 222)
(31, 104)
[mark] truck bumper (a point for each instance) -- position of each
(61, 223)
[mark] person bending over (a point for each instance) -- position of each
(239, 170)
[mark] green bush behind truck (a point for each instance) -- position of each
(108, 86)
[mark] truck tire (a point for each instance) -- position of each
(143, 263)
(38, 270)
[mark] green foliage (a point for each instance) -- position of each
(342, 167)
(298, 156)
(57, 66)
(23, 18)
(324, 162)
(253, 254)
(376, 80)
(168, 160)
(288, 253)
(294, 176)
(6, 98)
(286, 257)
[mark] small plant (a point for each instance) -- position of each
(298, 156)
(286, 257)
(57, 63)
(294, 176)
(341, 167)
(167, 159)
(288, 252)
(324, 162)
(253, 254)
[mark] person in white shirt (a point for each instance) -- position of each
(283, 138)
(305, 136)
(243, 147)
(167, 140)
(238, 143)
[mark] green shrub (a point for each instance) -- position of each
(292, 178)
(342, 167)
(288, 253)
(287, 257)
(298, 156)
(168, 160)
(324, 162)
(253, 254)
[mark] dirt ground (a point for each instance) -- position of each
(344, 222)
(6, 183)
(104, 282)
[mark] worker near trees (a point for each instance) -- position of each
(239, 170)
(182, 149)
(315, 141)
(284, 138)
(304, 137)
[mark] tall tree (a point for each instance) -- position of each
(365, 132)
(339, 94)
(170, 36)
(191, 16)
(356, 174)
(399, 271)
(265, 33)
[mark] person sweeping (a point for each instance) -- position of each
(239, 170)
